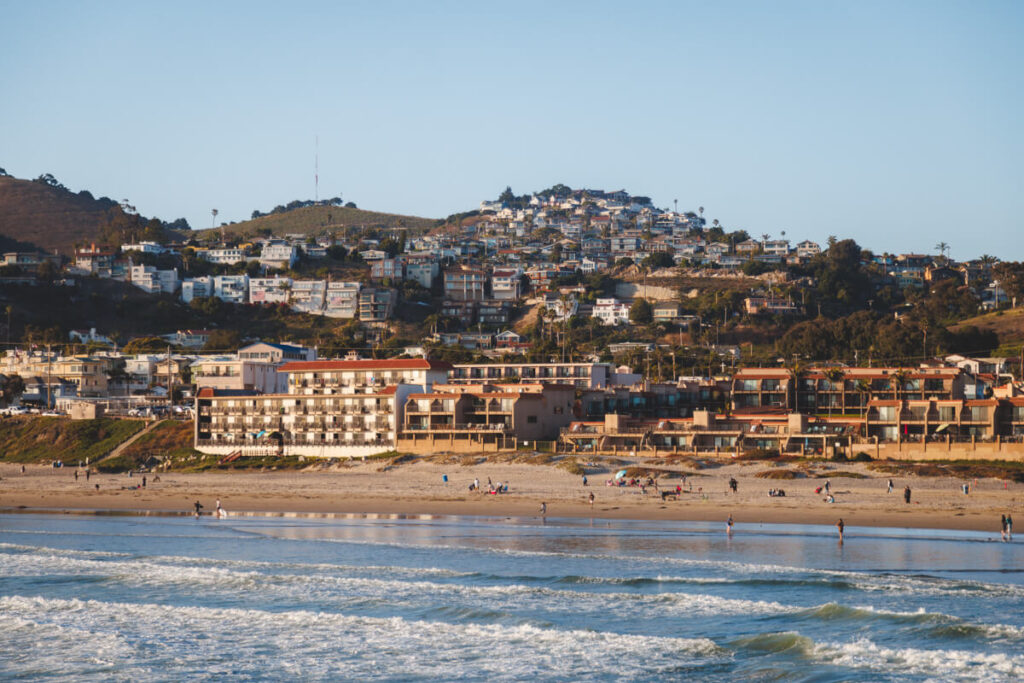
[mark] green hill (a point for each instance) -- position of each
(314, 220)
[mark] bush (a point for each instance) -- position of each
(863, 457)
(839, 456)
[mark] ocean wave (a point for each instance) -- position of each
(949, 665)
(217, 643)
(344, 590)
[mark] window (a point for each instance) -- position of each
(531, 419)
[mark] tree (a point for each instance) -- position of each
(835, 377)
(13, 388)
(864, 389)
(659, 259)
(641, 312)
(223, 341)
(145, 345)
(898, 380)
(796, 371)
(942, 248)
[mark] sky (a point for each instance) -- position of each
(897, 124)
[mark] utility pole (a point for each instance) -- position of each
(170, 380)
(49, 385)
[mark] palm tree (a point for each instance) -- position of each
(864, 389)
(835, 376)
(898, 380)
(942, 248)
(796, 372)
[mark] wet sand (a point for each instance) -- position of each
(418, 488)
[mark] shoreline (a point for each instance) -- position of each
(420, 489)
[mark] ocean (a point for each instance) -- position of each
(166, 598)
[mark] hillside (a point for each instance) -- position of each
(48, 216)
(1009, 325)
(41, 439)
(318, 219)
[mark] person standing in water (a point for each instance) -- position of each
(198, 507)
(1009, 528)
(1002, 527)
(890, 486)
(591, 499)
(728, 525)
(543, 509)
(840, 526)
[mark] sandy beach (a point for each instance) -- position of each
(419, 488)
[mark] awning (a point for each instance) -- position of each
(941, 427)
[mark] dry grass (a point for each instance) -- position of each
(780, 474)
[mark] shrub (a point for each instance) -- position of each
(863, 457)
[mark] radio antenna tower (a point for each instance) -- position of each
(316, 170)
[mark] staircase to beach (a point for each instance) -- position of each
(120, 448)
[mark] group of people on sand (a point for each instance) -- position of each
(492, 488)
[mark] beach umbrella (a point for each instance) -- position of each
(620, 474)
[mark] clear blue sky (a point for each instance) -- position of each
(896, 123)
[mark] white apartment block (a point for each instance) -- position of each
(332, 409)
(279, 255)
(233, 289)
(342, 300)
(269, 290)
(308, 296)
(611, 311)
(227, 256)
(506, 284)
(149, 279)
(196, 288)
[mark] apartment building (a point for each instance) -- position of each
(611, 311)
(270, 290)
(346, 408)
(506, 283)
(308, 296)
(278, 254)
(589, 375)
(376, 304)
(707, 432)
(232, 373)
(155, 281)
(465, 284)
(342, 299)
(226, 256)
(473, 418)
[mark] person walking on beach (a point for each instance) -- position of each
(543, 509)
(828, 487)
(584, 480)
(890, 486)
(733, 484)
(591, 500)
(728, 525)
(76, 475)
(1009, 528)
(906, 494)
(1002, 527)
(840, 526)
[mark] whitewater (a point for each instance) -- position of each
(167, 598)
